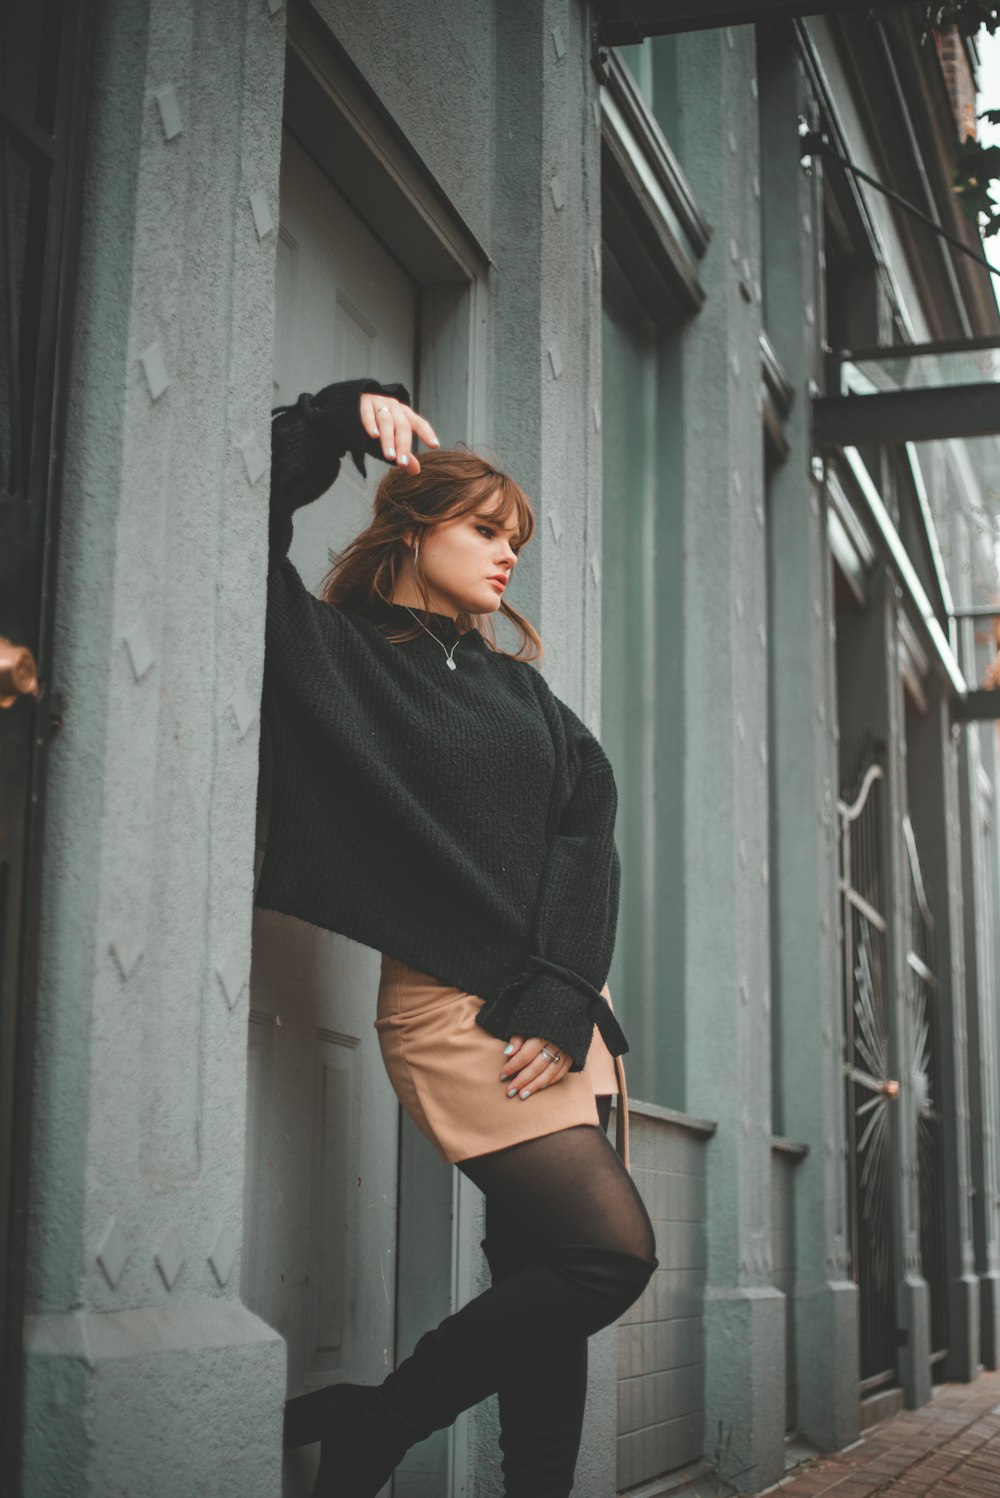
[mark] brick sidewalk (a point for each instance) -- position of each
(950, 1448)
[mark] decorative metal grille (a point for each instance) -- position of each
(870, 1090)
(925, 1081)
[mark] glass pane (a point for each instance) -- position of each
(23, 224)
(639, 63)
(29, 58)
(961, 481)
(899, 371)
(29, 63)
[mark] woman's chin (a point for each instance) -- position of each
(481, 604)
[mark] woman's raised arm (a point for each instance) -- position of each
(310, 438)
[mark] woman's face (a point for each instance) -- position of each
(467, 562)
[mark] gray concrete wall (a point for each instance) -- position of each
(786, 1162)
(718, 468)
(807, 1027)
(136, 1217)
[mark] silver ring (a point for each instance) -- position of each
(380, 409)
(551, 1055)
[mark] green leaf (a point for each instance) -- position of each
(967, 15)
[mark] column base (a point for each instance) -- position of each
(962, 1363)
(745, 1385)
(183, 1398)
(989, 1319)
(826, 1363)
(913, 1316)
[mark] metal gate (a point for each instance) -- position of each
(922, 1003)
(870, 1090)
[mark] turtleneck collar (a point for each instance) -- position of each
(400, 616)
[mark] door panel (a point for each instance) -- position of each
(323, 1122)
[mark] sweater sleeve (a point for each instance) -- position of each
(557, 992)
(308, 441)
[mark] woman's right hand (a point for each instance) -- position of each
(396, 425)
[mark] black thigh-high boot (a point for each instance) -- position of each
(541, 1407)
(566, 1193)
(569, 1293)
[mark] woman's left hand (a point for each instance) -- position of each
(395, 425)
(525, 1071)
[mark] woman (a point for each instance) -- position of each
(432, 798)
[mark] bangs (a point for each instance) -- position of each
(512, 508)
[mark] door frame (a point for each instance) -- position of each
(57, 158)
(335, 115)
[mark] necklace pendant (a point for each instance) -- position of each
(451, 665)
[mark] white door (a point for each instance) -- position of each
(323, 1122)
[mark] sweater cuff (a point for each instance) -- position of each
(334, 410)
(555, 1003)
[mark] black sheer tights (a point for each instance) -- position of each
(566, 1187)
(566, 1202)
(570, 1247)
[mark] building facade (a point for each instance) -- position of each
(644, 272)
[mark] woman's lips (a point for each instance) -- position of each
(501, 582)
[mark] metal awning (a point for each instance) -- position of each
(918, 392)
(623, 22)
(928, 574)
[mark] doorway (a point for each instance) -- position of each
(344, 1198)
(323, 1121)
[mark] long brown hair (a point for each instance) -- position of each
(450, 483)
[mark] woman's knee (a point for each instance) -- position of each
(607, 1279)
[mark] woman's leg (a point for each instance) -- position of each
(541, 1410)
(567, 1196)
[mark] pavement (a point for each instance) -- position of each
(949, 1449)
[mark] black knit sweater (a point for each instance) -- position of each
(460, 821)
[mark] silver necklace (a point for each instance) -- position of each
(450, 654)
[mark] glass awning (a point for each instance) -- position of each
(933, 409)
(917, 392)
(623, 22)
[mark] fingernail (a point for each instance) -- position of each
(512, 1092)
(508, 1050)
(526, 1092)
(390, 452)
(403, 458)
(435, 442)
(503, 1076)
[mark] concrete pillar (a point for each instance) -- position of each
(984, 1062)
(978, 852)
(934, 812)
(144, 1372)
(808, 977)
(870, 706)
(719, 473)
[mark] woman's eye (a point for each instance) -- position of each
(485, 530)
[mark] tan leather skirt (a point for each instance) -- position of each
(445, 1070)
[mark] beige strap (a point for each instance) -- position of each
(621, 1115)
